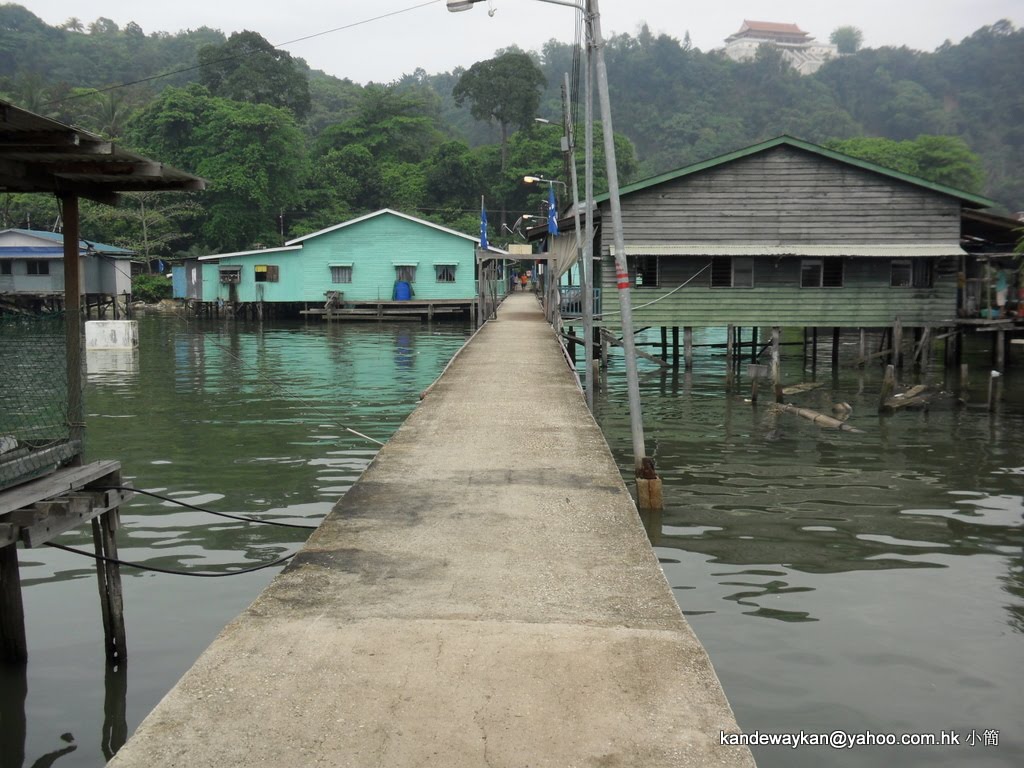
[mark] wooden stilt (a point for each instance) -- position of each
(729, 335)
(664, 343)
(115, 715)
(888, 385)
(897, 343)
(835, 349)
(1000, 350)
(863, 346)
(753, 344)
(13, 645)
(688, 347)
(675, 346)
(108, 574)
(776, 363)
(814, 352)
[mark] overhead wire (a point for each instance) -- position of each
(245, 54)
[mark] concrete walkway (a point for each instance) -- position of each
(484, 595)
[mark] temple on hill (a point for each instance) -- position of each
(799, 49)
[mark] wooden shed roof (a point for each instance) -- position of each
(38, 154)
(969, 199)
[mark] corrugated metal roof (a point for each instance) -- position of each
(888, 251)
(975, 201)
(38, 154)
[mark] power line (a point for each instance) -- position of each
(183, 70)
(157, 569)
(181, 503)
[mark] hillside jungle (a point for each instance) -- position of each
(287, 150)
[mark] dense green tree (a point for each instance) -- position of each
(846, 39)
(248, 68)
(252, 156)
(943, 159)
(505, 89)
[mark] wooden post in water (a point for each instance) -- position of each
(993, 375)
(688, 347)
(863, 347)
(13, 645)
(888, 385)
(664, 343)
(814, 352)
(675, 346)
(753, 344)
(729, 335)
(835, 350)
(897, 343)
(776, 363)
(108, 575)
(1000, 350)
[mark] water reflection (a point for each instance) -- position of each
(836, 579)
(242, 418)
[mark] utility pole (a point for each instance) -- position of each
(641, 463)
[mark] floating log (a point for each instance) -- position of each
(807, 386)
(915, 397)
(818, 418)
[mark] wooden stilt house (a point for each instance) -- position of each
(786, 233)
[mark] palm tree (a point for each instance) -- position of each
(73, 24)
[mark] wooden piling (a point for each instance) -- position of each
(729, 336)
(835, 349)
(664, 343)
(675, 346)
(776, 363)
(753, 344)
(1000, 350)
(897, 343)
(863, 347)
(888, 386)
(108, 575)
(814, 351)
(688, 347)
(13, 645)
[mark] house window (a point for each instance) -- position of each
(821, 273)
(5, 267)
(405, 273)
(912, 273)
(38, 267)
(341, 273)
(445, 273)
(266, 273)
(732, 272)
(646, 272)
(230, 274)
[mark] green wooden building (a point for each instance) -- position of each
(790, 234)
(383, 263)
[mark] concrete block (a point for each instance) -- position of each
(111, 334)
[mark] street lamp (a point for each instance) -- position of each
(595, 44)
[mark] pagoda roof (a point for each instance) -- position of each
(768, 28)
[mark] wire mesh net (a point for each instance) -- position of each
(36, 421)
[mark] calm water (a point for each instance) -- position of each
(844, 581)
(838, 581)
(235, 417)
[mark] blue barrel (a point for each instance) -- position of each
(403, 291)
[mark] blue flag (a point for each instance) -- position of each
(552, 211)
(483, 229)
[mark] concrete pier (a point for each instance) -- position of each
(484, 595)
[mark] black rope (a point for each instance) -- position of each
(243, 518)
(140, 566)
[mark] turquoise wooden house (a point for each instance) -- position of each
(383, 263)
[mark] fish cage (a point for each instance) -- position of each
(39, 431)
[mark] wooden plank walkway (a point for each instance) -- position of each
(485, 595)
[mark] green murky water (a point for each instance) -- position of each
(870, 582)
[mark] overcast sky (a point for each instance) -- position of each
(438, 41)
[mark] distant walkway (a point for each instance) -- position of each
(484, 595)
